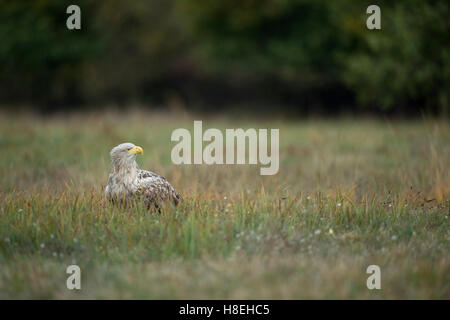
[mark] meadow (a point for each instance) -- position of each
(349, 193)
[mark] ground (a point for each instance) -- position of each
(349, 193)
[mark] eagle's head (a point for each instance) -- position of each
(125, 153)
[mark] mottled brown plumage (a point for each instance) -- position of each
(127, 182)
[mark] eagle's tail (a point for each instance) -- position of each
(176, 198)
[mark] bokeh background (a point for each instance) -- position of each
(290, 57)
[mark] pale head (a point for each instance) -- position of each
(125, 152)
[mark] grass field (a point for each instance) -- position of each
(349, 194)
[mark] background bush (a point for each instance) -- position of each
(303, 55)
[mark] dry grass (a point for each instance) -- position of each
(348, 194)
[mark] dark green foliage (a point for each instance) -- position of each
(407, 62)
(154, 50)
(39, 57)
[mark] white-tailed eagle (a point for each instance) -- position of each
(127, 182)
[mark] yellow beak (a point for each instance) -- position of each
(136, 150)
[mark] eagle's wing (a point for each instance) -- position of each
(155, 188)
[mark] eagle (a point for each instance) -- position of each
(128, 183)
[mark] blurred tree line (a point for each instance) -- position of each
(303, 55)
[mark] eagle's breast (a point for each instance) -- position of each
(122, 184)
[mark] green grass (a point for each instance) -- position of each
(349, 194)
